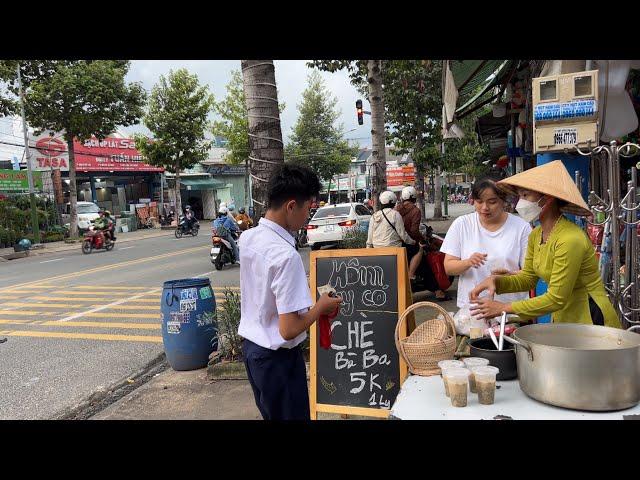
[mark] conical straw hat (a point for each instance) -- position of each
(551, 179)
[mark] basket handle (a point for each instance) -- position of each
(403, 318)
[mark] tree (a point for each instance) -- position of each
(315, 141)
(234, 125)
(177, 117)
(362, 73)
(81, 98)
(265, 133)
(413, 104)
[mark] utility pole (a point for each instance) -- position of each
(32, 195)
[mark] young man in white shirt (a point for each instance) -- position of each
(276, 301)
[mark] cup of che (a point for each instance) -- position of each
(471, 362)
(444, 365)
(457, 379)
(485, 378)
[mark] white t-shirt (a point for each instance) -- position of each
(272, 282)
(505, 248)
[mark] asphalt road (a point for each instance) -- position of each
(76, 324)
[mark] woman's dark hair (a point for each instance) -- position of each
(292, 182)
(487, 182)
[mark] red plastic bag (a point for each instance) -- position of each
(325, 329)
(436, 262)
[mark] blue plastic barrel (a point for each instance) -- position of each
(189, 332)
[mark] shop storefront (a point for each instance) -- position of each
(109, 172)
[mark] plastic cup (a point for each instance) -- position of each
(444, 365)
(470, 363)
(486, 384)
(458, 379)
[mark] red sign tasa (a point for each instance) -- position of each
(93, 155)
(52, 153)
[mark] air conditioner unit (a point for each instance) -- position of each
(565, 111)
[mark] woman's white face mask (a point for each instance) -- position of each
(529, 211)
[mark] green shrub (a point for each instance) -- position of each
(355, 238)
(227, 318)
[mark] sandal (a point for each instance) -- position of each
(446, 298)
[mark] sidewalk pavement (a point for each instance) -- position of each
(55, 247)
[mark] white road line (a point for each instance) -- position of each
(105, 307)
(126, 248)
(205, 274)
(55, 260)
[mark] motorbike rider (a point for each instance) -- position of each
(190, 217)
(244, 218)
(411, 217)
(110, 224)
(101, 224)
(224, 227)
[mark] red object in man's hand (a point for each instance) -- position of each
(325, 328)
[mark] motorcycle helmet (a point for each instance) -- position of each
(232, 207)
(409, 193)
(223, 211)
(322, 204)
(241, 210)
(387, 198)
(107, 213)
(188, 207)
(223, 204)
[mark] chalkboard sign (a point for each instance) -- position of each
(362, 372)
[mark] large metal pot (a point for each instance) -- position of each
(577, 366)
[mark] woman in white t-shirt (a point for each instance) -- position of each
(487, 242)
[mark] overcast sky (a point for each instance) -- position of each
(291, 77)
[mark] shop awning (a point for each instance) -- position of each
(201, 183)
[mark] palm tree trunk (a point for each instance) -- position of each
(420, 177)
(376, 100)
(73, 190)
(265, 134)
(246, 183)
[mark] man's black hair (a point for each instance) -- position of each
(292, 182)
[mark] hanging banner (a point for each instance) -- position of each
(93, 155)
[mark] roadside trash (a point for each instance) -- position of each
(129, 380)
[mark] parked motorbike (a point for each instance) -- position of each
(425, 276)
(183, 228)
(221, 251)
(96, 240)
(166, 220)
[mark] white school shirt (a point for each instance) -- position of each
(272, 282)
(505, 248)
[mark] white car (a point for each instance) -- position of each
(87, 212)
(330, 223)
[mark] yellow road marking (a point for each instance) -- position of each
(42, 305)
(84, 336)
(110, 287)
(106, 267)
(93, 299)
(139, 326)
(24, 313)
(5, 322)
(131, 307)
(120, 315)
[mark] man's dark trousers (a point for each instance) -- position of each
(279, 381)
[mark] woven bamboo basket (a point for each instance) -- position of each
(430, 342)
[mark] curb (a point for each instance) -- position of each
(74, 246)
(102, 398)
